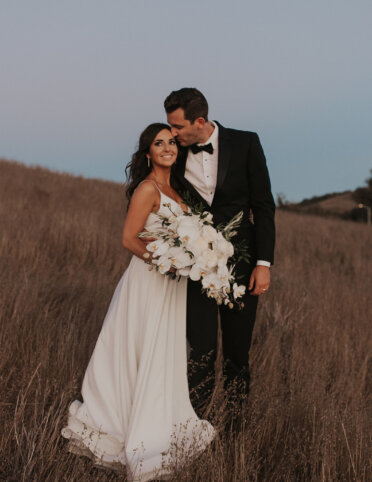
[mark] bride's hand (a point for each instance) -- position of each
(147, 241)
(171, 273)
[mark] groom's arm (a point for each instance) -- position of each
(261, 200)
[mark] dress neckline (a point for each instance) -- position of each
(178, 204)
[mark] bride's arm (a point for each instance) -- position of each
(145, 199)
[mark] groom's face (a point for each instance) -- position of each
(183, 130)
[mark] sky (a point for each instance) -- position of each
(81, 79)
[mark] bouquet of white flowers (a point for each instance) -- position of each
(190, 244)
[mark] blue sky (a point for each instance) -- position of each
(80, 79)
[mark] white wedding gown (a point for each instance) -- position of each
(136, 410)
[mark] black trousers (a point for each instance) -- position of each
(202, 330)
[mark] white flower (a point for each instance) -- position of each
(223, 270)
(197, 246)
(238, 290)
(225, 275)
(212, 282)
(223, 246)
(192, 247)
(158, 247)
(208, 216)
(197, 271)
(188, 228)
(209, 233)
(179, 258)
(164, 264)
(202, 243)
(209, 256)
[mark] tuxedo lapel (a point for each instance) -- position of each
(224, 155)
(180, 166)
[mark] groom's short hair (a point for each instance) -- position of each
(191, 100)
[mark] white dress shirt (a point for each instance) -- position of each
(201, 172)
(201, 168)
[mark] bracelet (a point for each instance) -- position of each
(146, 257)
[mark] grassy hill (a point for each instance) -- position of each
(61, 257)
(338, 204)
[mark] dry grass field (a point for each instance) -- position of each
(309, 413)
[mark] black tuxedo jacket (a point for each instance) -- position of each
(243, 183)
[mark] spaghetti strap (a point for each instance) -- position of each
(153, 182)
(160, 192)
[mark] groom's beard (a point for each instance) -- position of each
(184, 143)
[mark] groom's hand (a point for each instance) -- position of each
(260, 280)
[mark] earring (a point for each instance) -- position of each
(148, 162)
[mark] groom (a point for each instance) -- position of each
(225, 170)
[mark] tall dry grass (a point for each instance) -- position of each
(308, 415)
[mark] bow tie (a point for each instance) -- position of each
(207, 148)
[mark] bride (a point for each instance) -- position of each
(136, 410)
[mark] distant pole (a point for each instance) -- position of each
(369, 213)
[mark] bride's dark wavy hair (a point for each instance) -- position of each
(137, 169)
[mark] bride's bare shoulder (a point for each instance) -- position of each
(146, 191)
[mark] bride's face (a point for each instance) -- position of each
(163, 150)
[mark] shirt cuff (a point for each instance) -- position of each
(263, 263)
